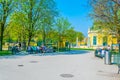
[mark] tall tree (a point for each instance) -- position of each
(107, 12)
(49, 15)
(37, 12)
(18, 24)
(80, 36)
(6, 8)
(62, 25)
(104, 12)
(71, 35)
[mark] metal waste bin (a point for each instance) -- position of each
(107, 58)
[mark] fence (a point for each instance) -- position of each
(115, 59)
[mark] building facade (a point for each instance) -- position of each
(100, 39)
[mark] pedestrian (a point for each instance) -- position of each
(108, 48)
(103, 52)
(29, 49)
(43, 49)
(38, 49)
(19, 46)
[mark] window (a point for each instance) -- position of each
(94, 40)
(105, 41)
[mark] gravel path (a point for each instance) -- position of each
(59, 67)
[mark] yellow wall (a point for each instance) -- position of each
(110, 39)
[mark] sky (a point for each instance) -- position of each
(77, 13)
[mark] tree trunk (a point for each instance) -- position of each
(60, 41)
(1, 41)
(1, 36)
(29, 39)
(24, 41)
(24, 45)
(44, 38)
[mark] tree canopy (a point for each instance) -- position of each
(107, 13)
(27, 20)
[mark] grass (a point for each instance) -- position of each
(5, 52)
(82, 49)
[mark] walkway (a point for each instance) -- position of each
(59, 67)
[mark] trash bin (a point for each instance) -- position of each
(107, 58)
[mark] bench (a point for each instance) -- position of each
(15, 49)
(97, 53)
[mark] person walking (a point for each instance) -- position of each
(29, 49)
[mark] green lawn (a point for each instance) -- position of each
(3, 53)
(82, 49)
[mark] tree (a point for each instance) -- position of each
(71, 35)
(62, 25)
(50, 36)
(80, 36)
(16, 28)
(18, 25)
(107, 12)
(38, 12)
(6, 8)
(48, 18)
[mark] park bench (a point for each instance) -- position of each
(97, 53)
(48, 50)
(42, 50)
(15, 50)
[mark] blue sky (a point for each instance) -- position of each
(77, 13)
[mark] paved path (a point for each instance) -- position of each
(59, 67)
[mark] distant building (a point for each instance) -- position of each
(81, 44)
(100, 38)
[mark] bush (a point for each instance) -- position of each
(114, 52)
